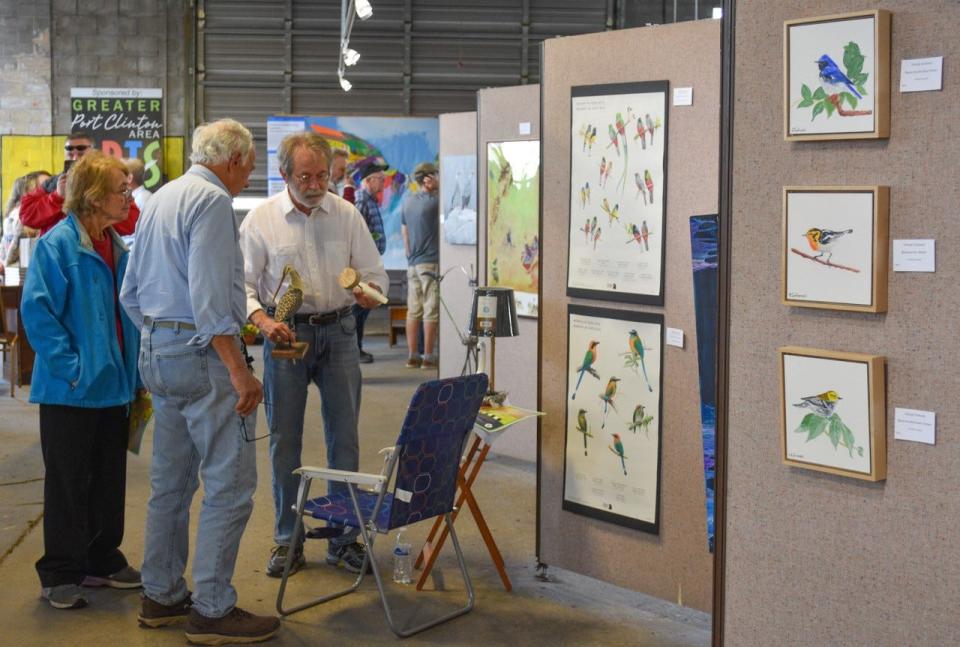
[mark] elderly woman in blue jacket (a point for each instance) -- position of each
(84, 380)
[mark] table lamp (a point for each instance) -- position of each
(494, 314)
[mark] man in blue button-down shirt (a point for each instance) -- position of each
(372, 180)
(185, 287)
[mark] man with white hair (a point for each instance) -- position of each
(184, 286)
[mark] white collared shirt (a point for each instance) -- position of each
(318, 246)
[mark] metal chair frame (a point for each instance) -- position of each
(369, 530)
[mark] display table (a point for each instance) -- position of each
(11, 295)
(491, 423)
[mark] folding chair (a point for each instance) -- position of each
(426, 459)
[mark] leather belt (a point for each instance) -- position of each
(319, 319)
(176, 325)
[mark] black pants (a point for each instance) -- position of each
(84, 491)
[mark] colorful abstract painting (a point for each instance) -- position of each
(513, 220)
(399, 142)
(704, 250)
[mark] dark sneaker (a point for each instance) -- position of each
(412, 362)
(278, 559)
(64, 596)
(350, 555)
(366, 358)
(126, 578)
(238, 626)
(153, 614)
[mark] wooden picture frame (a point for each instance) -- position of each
(616, 244)
(849, 225)
(836, 76)
(613, 420)
(838, 400)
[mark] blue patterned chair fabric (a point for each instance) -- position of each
(441, 414)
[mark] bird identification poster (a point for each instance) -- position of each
(618, 155)
(837, 76)
(513, 221)
(613, 416)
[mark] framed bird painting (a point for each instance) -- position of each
(833, 412)
(835, 247)
(613, 417)
(836, 76)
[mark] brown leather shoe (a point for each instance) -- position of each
(153, 614)
(238, 626)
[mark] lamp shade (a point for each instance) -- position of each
(494, 313)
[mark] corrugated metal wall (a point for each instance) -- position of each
(256, 58)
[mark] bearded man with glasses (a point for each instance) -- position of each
(318, 234)
(42, 208)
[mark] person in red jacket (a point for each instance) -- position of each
(42, 208)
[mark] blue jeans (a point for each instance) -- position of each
(332, 363)
(197, 430)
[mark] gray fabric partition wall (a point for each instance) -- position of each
(675, 565)
(811, 558)
(458, 137)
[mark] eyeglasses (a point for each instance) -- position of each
(307, 179)
(78, 148)
(245, 434)
(125, 192)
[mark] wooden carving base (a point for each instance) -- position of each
(296, 350)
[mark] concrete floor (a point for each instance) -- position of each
(567, 610)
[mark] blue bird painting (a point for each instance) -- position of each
(832, 78)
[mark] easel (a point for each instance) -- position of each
(465, 478)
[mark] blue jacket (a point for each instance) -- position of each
(69, 313)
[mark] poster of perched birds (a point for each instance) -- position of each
(613, 430)
(513, 221)
(834, 412)
(837, 81)
(835, 247)
(618, 185)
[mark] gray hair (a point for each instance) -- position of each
(216, 142)
(309, 140)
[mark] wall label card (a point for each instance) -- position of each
(614, 408)
(683, 96)
(921, 74)
(914, 255)
(618, 176)
(675, 337)
(915, 425)
(523, 128)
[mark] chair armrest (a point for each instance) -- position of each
(341, 476)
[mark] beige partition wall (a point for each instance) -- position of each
(458, 138)
(676, 564)
(510, 114)
(811, 558)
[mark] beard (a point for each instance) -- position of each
(309, 198)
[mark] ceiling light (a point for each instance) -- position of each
(717, 13)
(350, 56)
(364, 10)
(345, 84)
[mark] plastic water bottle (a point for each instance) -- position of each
(402, 562)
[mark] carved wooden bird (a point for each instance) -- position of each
(292, 298)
